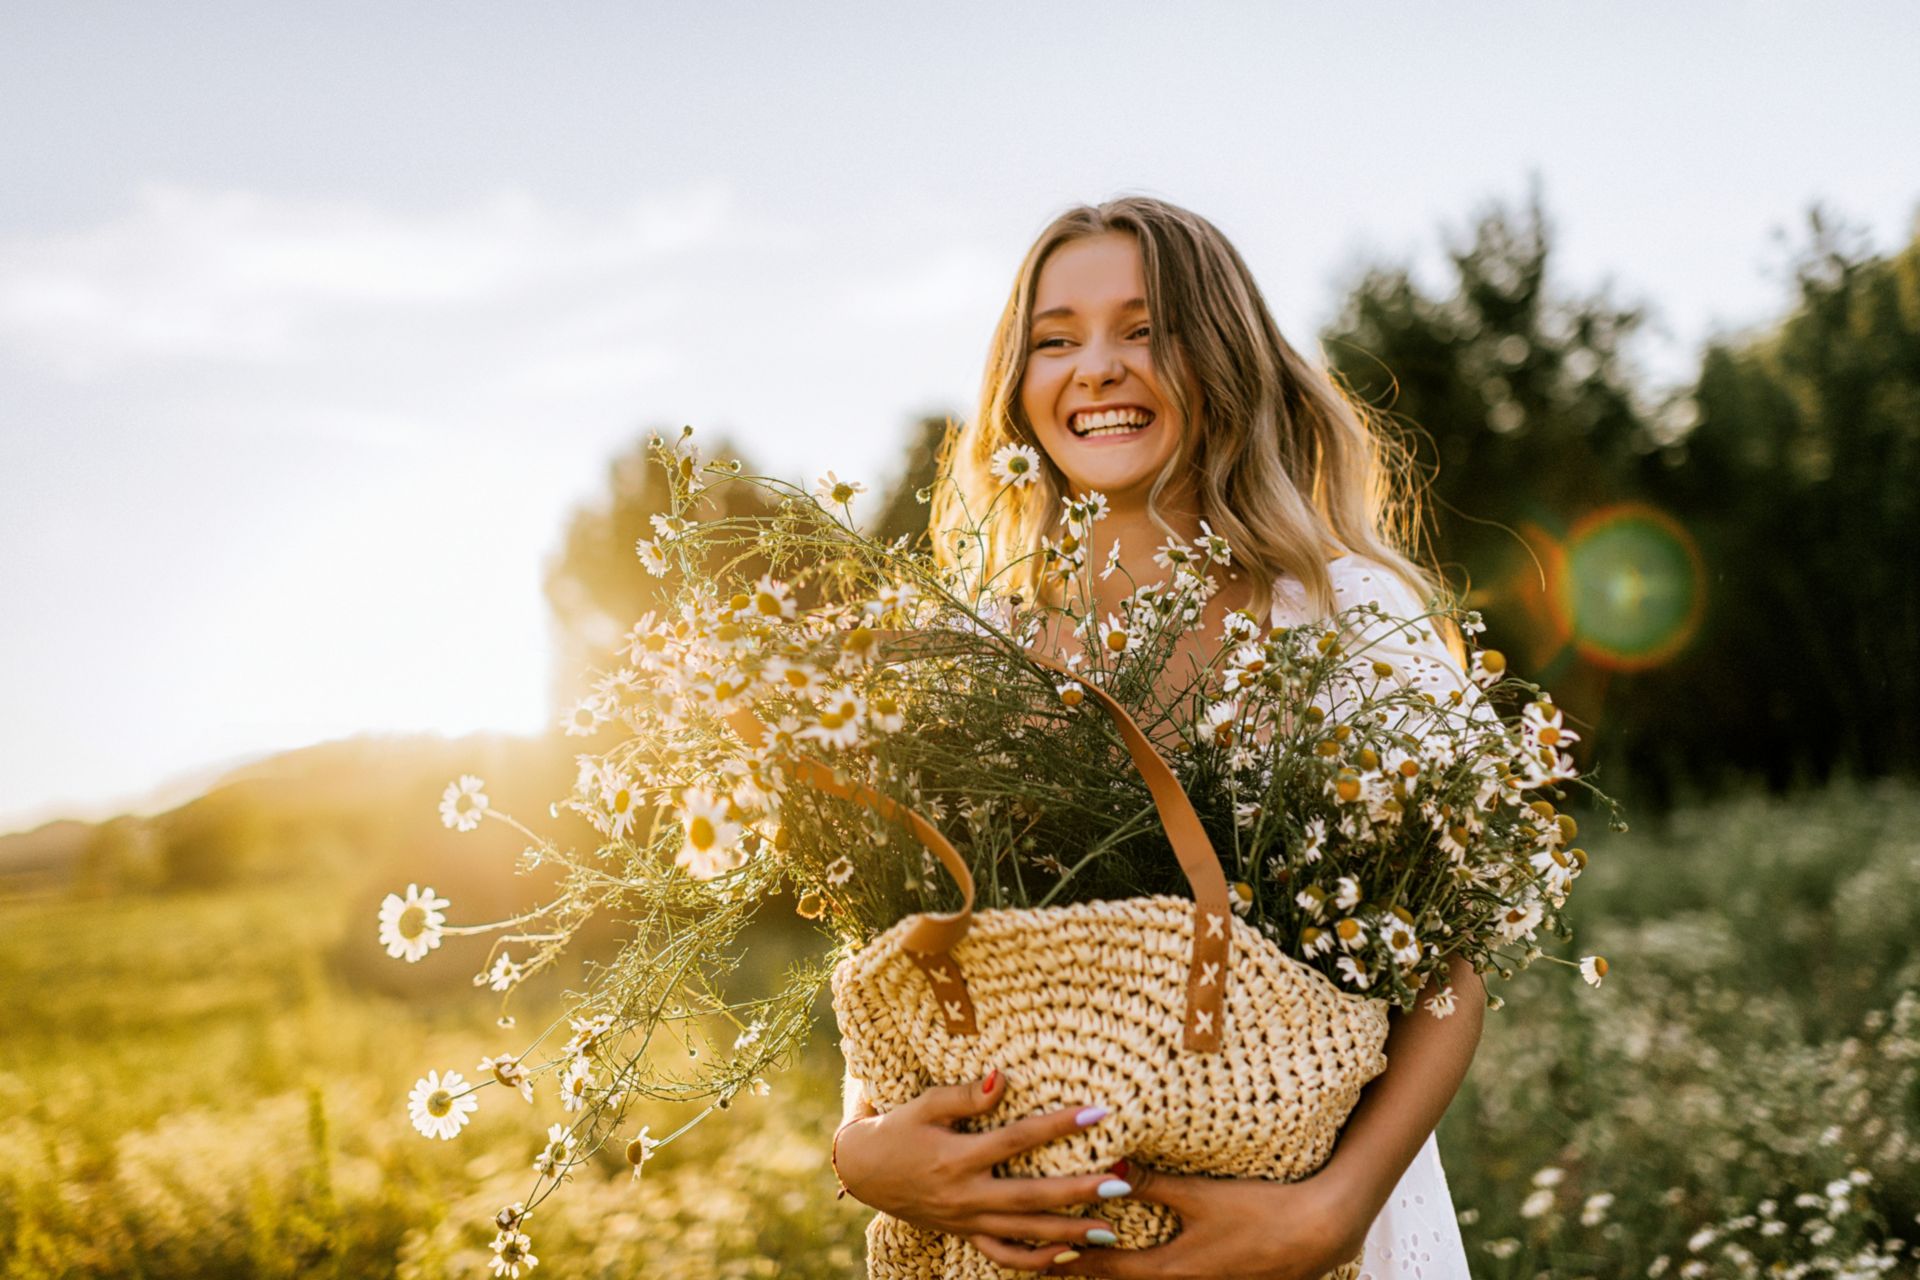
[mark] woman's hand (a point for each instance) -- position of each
(1230, 1229)
(913, 1164)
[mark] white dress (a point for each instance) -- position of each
(1416, 1236)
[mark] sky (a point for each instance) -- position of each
(317, 321)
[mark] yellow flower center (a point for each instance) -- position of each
(413, 922)
(700, 833)
(439, 1102)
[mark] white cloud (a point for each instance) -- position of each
(189, 276)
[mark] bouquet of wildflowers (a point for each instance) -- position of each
(1370, 829)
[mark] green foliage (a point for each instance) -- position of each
(189, 1089)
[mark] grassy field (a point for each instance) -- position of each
(214, 1084)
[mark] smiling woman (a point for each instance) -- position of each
(1136, 367)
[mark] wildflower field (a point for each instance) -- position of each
(214, 1083)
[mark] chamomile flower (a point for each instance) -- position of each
(619, 804)
(772, 599)
(1118, 637)
(512, 1250)
(1489, 665)
(840, 870)
(505, 973)
(830, 488)
(1015, 464)
(576, 1085)
(1593, 969)
(640, 1150)
(1315, 941)
(885, 713)
(1519, 920)
(1356, 972)
(1541, 722)
(507, 1070)
(836, 720)
(652, 558)
(1313, 841)
(793, 677)
(1440, 1004)
(711, 844)
(1346, 893)
(441, 1105)
(411, 926)
(558, 1153)
(1350, 932)
(586, 717)
(463, 803)
(1398, 933)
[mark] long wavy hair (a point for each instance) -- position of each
(1284, 465)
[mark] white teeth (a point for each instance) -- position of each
(1109, 422)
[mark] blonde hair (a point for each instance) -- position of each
(1284, 465)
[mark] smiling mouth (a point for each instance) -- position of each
(1097, 423)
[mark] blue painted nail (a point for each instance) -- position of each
(1092, 1115)
(1100, 1235)
(1113, 1187)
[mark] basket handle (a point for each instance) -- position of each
(932, 936)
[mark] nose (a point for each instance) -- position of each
(1099, 367)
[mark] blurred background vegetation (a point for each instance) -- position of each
(207, 1056)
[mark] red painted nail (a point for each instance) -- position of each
(1118, 1168)
(993, 1078)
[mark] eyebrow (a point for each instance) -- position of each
(1051, 312)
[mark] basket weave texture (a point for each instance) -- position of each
(1082, 1005)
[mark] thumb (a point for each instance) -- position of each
(947, 1103)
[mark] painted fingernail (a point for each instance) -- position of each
(993, 1078)
(1119, 1168)
(1114, 1187)
(1091, 1115)
(1066, 1255)
(1100, 1235)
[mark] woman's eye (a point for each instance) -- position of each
(1139, 332)
(1048, 342)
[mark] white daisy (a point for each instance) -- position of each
(772, 599)
(411, 926)
(885, 713)
(587, 716)
(1117, 637)
(712, 840)
(840, 870)
(1015, 464)
(1312, 900)
(640, 1150)
(665, 527)
(651, 556)
(1519, 920)
(576, 1086)
(1440, 1003)
(512, 1250)
(558, 1153)
(505, 973)
(837, 719)
(1401, 939)
(507, 1070)
(1113, 560)
(1356, 972)
(1315, 841)
(1346, 893)
(1541, 723)
(1593, 969)
(792, 677)
(1315, 941)
(463, 803)
(619, 804)
(1213, 546)
(1350, 933)
(440, 1105)
(830, 488)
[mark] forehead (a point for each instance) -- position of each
(1091, 273)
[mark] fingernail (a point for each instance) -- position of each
(993, 1078)
(1091, 1115)
(1113, 1187)
(1066, 1255)
(1119, 1168)
(1100, 1235)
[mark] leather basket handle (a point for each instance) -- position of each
(931, 937)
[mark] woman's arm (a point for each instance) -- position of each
(1427, 1058)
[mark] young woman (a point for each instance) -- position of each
(1137, 356)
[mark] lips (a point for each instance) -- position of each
(1109, 420)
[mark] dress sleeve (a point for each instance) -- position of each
(1419, 656)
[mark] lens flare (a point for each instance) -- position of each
(1630, 587)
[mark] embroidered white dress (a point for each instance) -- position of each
(1416, 1236)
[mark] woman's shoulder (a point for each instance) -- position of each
(1356, 579)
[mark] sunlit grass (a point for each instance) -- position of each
(206, 1085)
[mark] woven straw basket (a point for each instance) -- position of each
(1218, 1053)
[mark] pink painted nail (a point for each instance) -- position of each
(1091, 1115)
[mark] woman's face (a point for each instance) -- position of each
(1090, 391)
